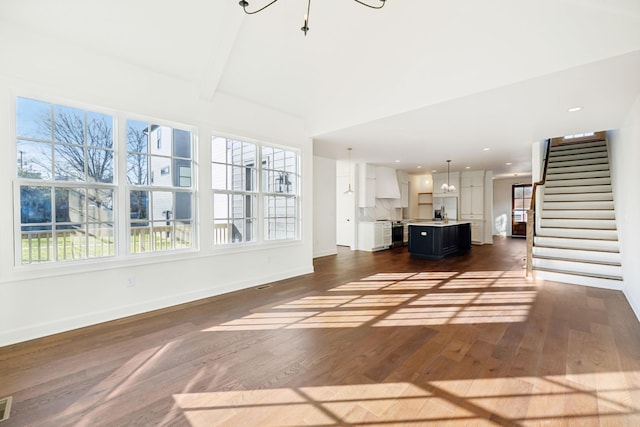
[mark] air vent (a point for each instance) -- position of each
(5, 408)
(263, 287)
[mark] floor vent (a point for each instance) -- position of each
(5, 408)
(260, 288)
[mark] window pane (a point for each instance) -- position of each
(100, 165)
(70, 205)
(528, 191)
(71, 242)
(68, 125)
(249, 154)
(99, 130)
(518, 192)
(219, 176)
(33, 119)
(100, 205)
(162, 204)
(220, 206)
(137, 136)
(69, 163)
(291, 162)
(140, 238)
(518, 204)
(181, 143)
(34, 160)
(184, 235)
(35, 204)
(161, 171)
(37, 244)
(183, 207)
(160, 140)
(137, 169)
(219, 149)
(221, 232)
(139, 205)
(101, 240)
(162, 235)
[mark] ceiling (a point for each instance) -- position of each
(413, 84)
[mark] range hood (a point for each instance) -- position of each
(387, 183)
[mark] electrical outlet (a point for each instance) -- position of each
(131, 282)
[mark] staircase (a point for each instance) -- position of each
(576, 237)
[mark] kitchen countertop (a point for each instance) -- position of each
(428, 223)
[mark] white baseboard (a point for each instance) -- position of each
(30, 332)
(326, 252)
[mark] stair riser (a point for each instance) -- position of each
(578, 280)
(580, 244)
(595, 224)
(584, 162)
(579, 197)
(577, 175)
(575, 254)
(578, 145)
(583, 156)
(588, 150)
(573, 190)
(583, 214)
(579, 233)
(578, 182)
(581, 168)
(606, 205)
(578, 267)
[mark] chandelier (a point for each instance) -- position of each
(305, 27)
(448, 188)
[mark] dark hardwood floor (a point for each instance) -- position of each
(374, 339)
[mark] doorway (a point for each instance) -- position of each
(520, 203)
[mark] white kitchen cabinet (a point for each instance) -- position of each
(472, 202)
(374, 236)
(367, 186)
(403, 183)
(441, 178)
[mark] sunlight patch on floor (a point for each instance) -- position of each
(402, 299)
(514, 401)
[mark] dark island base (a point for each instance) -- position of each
(431, 242)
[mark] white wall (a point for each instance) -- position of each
(324, 206)
(502, 204)
(41, 301)
(624, 146)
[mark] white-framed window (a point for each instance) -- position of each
(68, 186)
(280, 183)
(246, 210)
(161, 202)
(65, 183)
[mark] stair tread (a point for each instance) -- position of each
(613, 264)
(572, 273)
(576, 249)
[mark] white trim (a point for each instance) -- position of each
(44, 329)
(320, 254)
(635, 305)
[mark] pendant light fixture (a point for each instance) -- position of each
(305, 27)
(350, 190)
(448, 188)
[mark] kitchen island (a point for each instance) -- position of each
(437, 239)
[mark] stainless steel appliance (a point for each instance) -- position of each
(397, 234)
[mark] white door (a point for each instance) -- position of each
(345, 213)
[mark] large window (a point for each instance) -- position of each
(68, 185)
(236, 167)
(161, 196)
(65, 167)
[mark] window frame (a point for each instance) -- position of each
(118, 186)
(260, 194)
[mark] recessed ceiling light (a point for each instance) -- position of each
(433, 170)
(508, 163)
(397, 161)
(467, 167)
(419, 167)
(486, 149)
(574, 109)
